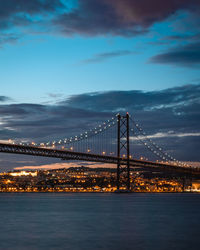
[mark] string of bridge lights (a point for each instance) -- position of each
(85, 135)
(152, 146)
(161, 154)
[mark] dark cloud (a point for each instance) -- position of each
(180, 39)
(183, 37)
(119, 17)
(8, 38)
(19, 12)
(135, 99)
(174, 106)
(176, 109)
(38, 122)
(90, 17)
(23, 13)
(13, 7)
(187, 21)
(171, 111)
(4, 99)
(186, 56)
(106, 56)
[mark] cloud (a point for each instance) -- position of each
(184, 56)
(5, 99)
(183, 37)
(164, 135)
(35, 121)
(13, 11)
(114, 101)
(119, 17)
(106, 56)
(180, 38)
(78, 112)
(20, 14)
(8, 38)
(55, 95)
(68, 165)
(88, 17)
(158, 112)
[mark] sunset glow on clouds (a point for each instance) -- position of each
(67, 165)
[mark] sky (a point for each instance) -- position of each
(67, 63)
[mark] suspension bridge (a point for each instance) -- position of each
(111, 142)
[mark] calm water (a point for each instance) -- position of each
(100, 221)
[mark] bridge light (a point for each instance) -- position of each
(71, 148)
(88, 150)
(103, 153)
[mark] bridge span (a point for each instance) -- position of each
(112, 143)
(77, 156)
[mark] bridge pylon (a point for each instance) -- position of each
(123, 151)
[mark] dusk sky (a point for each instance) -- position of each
(67, 63)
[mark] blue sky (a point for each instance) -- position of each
(57, 52)
(42, 60)
(46, 64)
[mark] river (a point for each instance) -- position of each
(89, 221)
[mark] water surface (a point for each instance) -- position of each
(99, 221)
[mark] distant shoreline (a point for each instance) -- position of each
(131, 192)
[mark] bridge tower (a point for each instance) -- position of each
(123, 150)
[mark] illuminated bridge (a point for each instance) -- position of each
(109, 142)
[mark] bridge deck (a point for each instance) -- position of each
(70, 155)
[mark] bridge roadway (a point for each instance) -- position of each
(70, 155)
